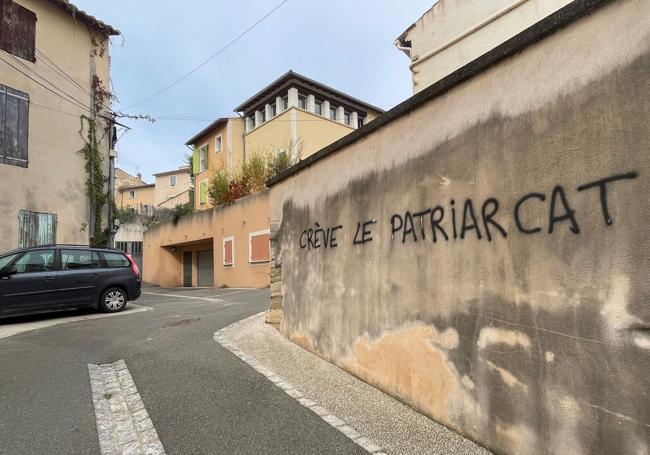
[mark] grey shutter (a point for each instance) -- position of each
(14, 127)
(36, 229)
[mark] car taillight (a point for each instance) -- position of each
(134, 266)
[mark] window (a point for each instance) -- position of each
(333, 110)
(132, 194)
(228, 251)
(360, 122)
(217, 144)
(4, 260)
(302, 101)
(203, 157)
(116, 260)
(14, 124)
(79, 259)
(172, 180)
(34, 262)
(258, 247)
(274, 110)
(121, 246)
(262, 116)
(347, 118)
(36, 228)
(136, 247)
(17, 30)
(318, 107)
(203, 192)
(285, 102)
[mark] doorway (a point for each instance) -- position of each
(205, 265)
(187, 269)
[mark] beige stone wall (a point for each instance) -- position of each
(54, 181)
(164, 244)
(530, 340)
(123, 179)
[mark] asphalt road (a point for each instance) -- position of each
(201, 398)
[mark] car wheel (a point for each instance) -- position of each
(113, 300)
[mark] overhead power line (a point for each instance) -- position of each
(205, 62)
(76, 104)
(52, 84)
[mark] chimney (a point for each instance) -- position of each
(139, 175)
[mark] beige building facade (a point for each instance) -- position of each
(452, 33)
(172, 188)
(227, 246)
(493, 275)
(136, 197)
(42, 177)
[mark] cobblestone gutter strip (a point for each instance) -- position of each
(350, 432)
(123, 424)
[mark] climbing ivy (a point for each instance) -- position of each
(95, 178)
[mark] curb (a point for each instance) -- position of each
(339, 424)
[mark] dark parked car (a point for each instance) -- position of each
(59, 277)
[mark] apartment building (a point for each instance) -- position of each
(229, 245)
(53, 57)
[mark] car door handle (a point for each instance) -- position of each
(97, 275)
(49, 278)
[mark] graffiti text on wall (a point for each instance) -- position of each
(459, 220)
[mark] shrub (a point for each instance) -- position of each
(218, 188)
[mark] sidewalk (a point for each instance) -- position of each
(384, 421)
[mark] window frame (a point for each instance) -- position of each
(318, 107)
(175, 180)
(201, 183)
(203, 156)
(274, 110)
(250, 246)
(333, 110)
(347, 118)
(223, 252)
(132, 192)
(285, 102)
(302, 101)
(218, 143)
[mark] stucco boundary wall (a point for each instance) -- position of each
(481, 251)
(165, 244)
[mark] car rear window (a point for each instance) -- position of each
(79, 259)
(115, 260)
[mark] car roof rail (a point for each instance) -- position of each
(74, 245)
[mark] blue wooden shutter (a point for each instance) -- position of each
(14, 126)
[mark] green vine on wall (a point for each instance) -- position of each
(95, 178)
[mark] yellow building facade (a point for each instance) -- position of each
(228, 245)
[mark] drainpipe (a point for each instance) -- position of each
(243, 136)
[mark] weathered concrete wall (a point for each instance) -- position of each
(498, 289)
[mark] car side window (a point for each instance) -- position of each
(114, 260)
(4, 260)
(79, 259)
(34, 262)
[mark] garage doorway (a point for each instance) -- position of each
(205, 265)
(187, 269)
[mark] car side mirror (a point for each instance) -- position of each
(6, 274)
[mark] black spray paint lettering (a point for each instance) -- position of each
(558, 210)
(602, 185)
(363, 233)
(311, 238)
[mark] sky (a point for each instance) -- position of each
(345, 44)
